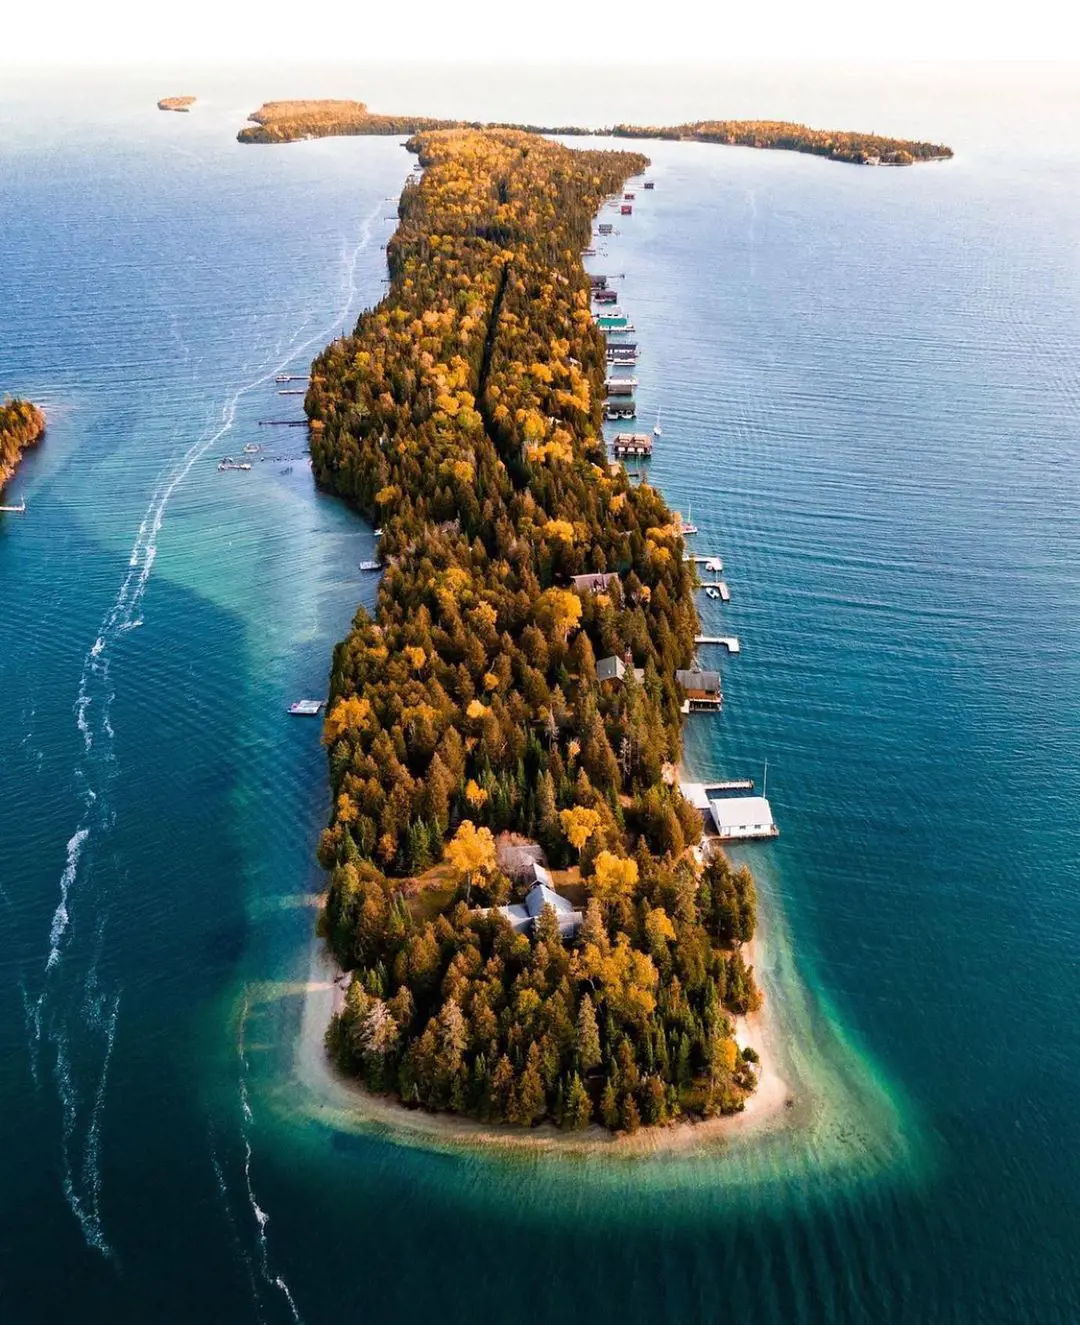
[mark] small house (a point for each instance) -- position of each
(595, 582)
(524, 915)
(614, 669)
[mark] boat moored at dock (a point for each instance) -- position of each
(307, 708)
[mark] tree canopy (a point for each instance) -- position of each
(464, 415)
(21, 425)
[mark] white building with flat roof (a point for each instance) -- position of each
(740, 818)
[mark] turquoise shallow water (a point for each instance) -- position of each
(869, 395)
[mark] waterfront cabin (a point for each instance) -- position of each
(605, 228)
(638, 444)
(629, 197)
(619, 355)
(742, 818)
(648, 184)
(598, 282)
(702, 690)
(605, 296)
(612, 321)
(620, 386)
(594, 582)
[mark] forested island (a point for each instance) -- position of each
(176, 103)
(289, 121)
(21, 425)
(470, 740)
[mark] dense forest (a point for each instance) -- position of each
(287, 121)
(21, 425)
(857, 148)
(463, 415)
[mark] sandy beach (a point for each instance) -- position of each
(324, 993)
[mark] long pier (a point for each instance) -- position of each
(14, 510)
(729, 642)
(283, 423)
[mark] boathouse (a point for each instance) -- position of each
(742, 818)
(702, 689)
(632, 444)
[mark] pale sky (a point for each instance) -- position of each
(196, 32)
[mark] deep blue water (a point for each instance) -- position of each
(870, 397)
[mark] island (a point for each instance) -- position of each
(21, 426)
(291, 121)
(176, 103)
(531, 930)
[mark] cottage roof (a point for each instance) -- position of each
(517, 859)
(698, 680)
(610, 669)
(518, 916)
(543, 895)
(594, 582)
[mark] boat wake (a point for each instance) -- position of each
(74, 1014)
(259, 1254)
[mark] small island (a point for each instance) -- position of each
(291, 121)
(517, 890)
(21, 426)
(176, 103)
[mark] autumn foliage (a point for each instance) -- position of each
(463, 414)
(21, 425)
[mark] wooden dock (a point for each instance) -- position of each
(14, 510)
(283, 423)
(729, 642)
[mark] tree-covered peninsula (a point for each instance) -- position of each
(463, 415)
(288, 121)
(21, 425)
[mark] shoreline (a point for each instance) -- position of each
(324, 994)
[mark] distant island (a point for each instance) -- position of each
(21, 425)
(291, 121)
(176, 103)
(515, 881)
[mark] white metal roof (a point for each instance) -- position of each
(740, 811)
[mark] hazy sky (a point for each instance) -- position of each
(125, 32)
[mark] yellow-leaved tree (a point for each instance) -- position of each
(471, 853)
(579, 824)
(613, 878)
(346, 715)
(559, 611)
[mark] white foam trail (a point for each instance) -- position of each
(32, 1014)
(262, 1218)
(82, 1188)
(92, 710)
(61, 917)
(223, 1189)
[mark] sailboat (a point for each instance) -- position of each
(658, 431)
(687, 526)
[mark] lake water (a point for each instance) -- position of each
(870, 398)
